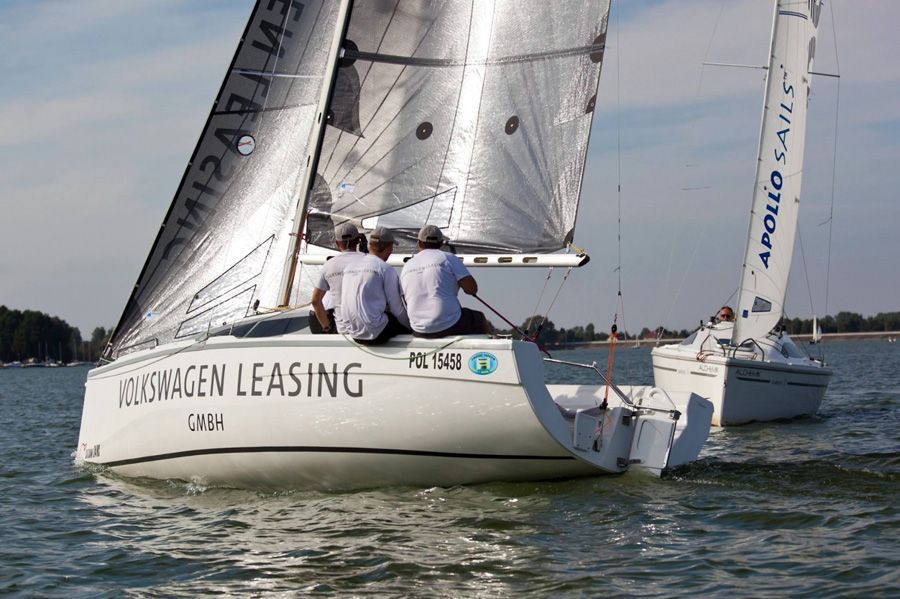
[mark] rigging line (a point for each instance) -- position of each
(550, 307)
(733, 293)
(620, 304)
(524, 335)
(537, 304)
(806, 272)
(619, 153)
(837, 109)
(691, 137)
(684, 276)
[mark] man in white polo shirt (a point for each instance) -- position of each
(346, 239)
(372, 309)
(431, 281)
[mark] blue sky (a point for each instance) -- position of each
(102, 102)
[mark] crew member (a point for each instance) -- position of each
(726, 314)
(346, 239)
(431, 281)
(372, 309)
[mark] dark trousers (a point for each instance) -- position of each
(316, 329)
(471, 322)
(392, 328)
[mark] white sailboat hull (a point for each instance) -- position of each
(307, 411)
(742, 390)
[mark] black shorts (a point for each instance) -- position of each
(471, 322)
(316, 329)
(392, 328)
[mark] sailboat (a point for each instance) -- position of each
(816, 332)
(474, 117)
(749, 368)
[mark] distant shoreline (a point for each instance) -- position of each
(651, 342)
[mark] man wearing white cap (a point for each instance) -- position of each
(346, 238)
(431, 281)
(372, 309)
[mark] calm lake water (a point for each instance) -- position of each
(803, 508)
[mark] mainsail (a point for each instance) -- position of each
(221, 247)
(776, 198)
(472, 116)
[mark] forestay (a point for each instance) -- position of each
(222, 244)
(472, 116)
(776, 199)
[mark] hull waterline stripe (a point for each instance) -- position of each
(313, 449)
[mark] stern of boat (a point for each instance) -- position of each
(641, 427)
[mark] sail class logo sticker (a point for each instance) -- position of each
(483, 363)
(246, 144)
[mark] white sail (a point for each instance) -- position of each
(472, 116)
(816, 331)
(221, 246)
(776, 198)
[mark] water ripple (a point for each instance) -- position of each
(802, 508)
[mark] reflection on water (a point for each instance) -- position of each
(803, 507)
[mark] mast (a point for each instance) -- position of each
(776, 197)
(312, 162)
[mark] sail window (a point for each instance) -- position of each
(761, 305)
(512, 125)
(238, 275)
(226, 312)
(435, 210)
(424, 130)
(269, 327)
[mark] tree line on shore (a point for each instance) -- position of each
(843, 322)
(29, 335)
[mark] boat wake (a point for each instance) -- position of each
(872, 475)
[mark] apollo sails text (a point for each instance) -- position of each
(776, 180)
